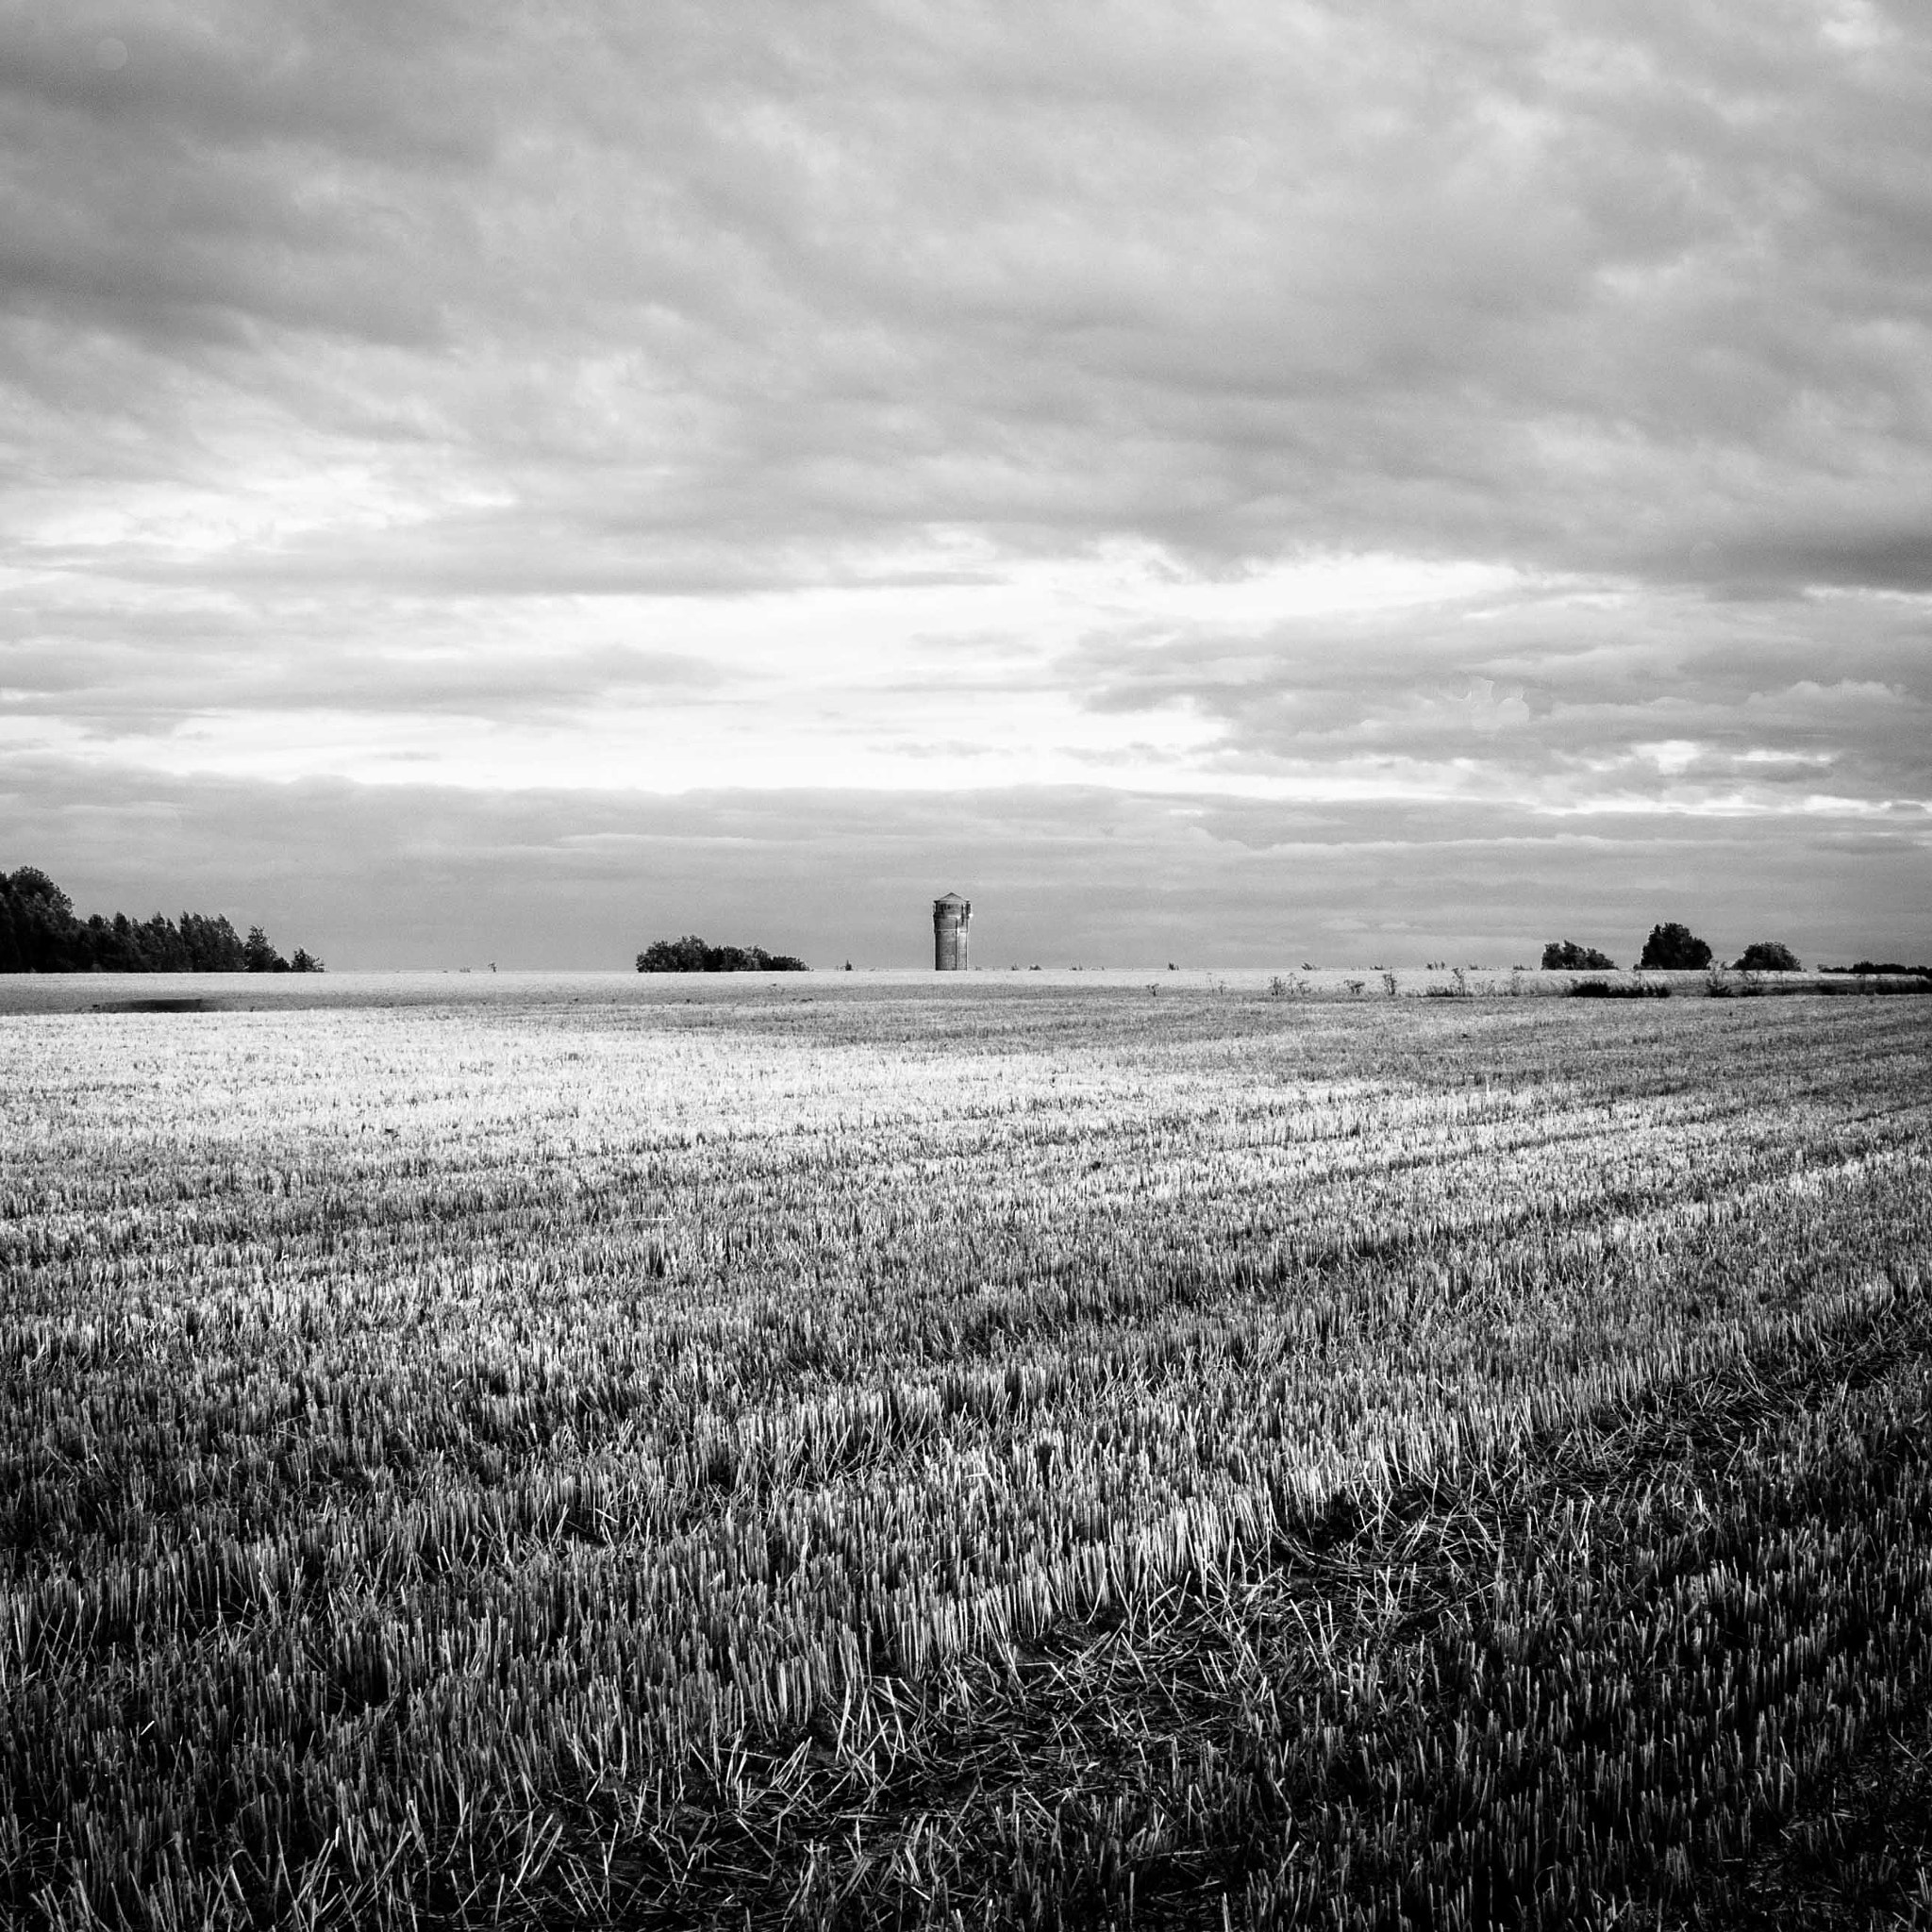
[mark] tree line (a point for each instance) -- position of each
(41, 932)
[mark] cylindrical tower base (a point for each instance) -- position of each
(951, 917)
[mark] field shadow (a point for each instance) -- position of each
(158, 1006)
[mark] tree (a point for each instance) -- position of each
(110, 944)
(1674, 948)
(213, 945)
(162, 946)
(1567, 956)
(46, 936)
(260, 955)
(304, 961)
(1767, 956)
(31, 883)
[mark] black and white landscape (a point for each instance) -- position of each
(1357, 578)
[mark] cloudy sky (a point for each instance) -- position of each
(1238, 481)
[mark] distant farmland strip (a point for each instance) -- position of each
(1033, 1457)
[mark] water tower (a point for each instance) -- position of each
(951, 916)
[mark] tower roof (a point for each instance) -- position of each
(949, 899)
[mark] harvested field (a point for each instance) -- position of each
(993, 1454)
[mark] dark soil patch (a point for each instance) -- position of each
(173, 1005)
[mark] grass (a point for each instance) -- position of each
(989, 1455)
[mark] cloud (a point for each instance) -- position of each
(420, 876)
(1579, 288)
(1305, 403)
(1550, 695)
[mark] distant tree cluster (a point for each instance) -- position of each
(1671, 948)
(692, 955)
(41, 932)
(1883, 966)
(1767, 956)
(1567, 956)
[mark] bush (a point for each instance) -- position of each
(1567, 956)
(1674, 948)
(1626, 990)
(692, 955)
(1767, 956)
